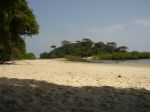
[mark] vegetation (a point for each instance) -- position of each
(125, 56)
(30, 56)
(75, 58)
(16, 21)
(82, 50)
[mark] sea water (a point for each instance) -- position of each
(140, 61)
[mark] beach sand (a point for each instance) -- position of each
(64, 86)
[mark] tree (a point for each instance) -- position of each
(53, 47)
(86, 47)
(16, 20)
(65, 42)
(122, 49)
(44, 55)
(111, 46)
(87, 40)
(99, 47)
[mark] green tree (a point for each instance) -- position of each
(65, 42)
(110, 47)
(86, 47)
(16, 20)
(99, 47)
(53, 46)
(122, 49)
(44, 55)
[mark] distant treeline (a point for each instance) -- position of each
(87, 48)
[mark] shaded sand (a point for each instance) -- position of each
(73, 87)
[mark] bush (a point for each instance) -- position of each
(75, 58)
(30, 56)
(5, 56)
(144, 55)
(105, 56)
(124, 56)
(44, 55)
(17, 54)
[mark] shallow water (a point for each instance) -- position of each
(141, 61)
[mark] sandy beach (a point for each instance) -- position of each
(79, 74)
(52, 85)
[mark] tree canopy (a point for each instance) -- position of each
(84, 48)
(16, 21)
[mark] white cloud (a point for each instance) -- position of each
(106, 29)
(142, 22)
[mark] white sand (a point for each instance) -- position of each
(79, 74)
(70, 87)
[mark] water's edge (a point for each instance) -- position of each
(140, 61)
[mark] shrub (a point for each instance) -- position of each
(30, 56)
(5, 56)
(105, 56)
(17, 54)
(75, 58)
(44, 55)
(144, 55)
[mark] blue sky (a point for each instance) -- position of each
(126, 22)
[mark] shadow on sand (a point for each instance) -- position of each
(24, 95)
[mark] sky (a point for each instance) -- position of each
(126, 22)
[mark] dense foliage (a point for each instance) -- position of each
(81, 50)
(84, 48)
(125, 56)
(16, 20)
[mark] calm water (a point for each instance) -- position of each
(141, 61)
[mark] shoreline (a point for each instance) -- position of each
(103, 63)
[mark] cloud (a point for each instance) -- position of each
(143, 22)
(106, 29)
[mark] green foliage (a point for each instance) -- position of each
(44, 55)
(125, 56)
(105, 56)
(122, 56)
(75, 58)
(17, 54)
(144, 55)
(80, 50)
(16, 20)
(4, 56)
(84, 48)
(29, 56)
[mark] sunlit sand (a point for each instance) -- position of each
(79, 74)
